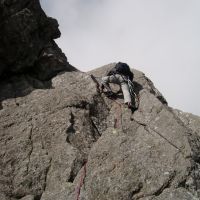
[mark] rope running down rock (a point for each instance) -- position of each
(78, 190)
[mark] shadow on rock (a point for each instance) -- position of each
(20, 86)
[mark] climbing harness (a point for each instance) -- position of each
(78, 190)
(110, 94)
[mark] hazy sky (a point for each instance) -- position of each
(159, 37)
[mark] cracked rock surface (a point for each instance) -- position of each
(61, 139)
(54, 136)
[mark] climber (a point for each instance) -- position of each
(121, 75)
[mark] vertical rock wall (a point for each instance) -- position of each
(26, 40)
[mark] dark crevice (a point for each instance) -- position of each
(167, 184)
(81, 105)
(70, 130)
(71, 177)
(95, 128)
(67, 140)
(38, 197)
(195, 174)
(17, 197)
(94, 114)
(76, 167)
(159, 191)
(31, 150)
(136, 191)
(182, 184)
(72, 121)
(96, 119)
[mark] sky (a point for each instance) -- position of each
(161, 38)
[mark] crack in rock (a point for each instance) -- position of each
(31, 150)
(70, 130)
(46, 174)
(76, 167)
(95, 128)
(159, 191)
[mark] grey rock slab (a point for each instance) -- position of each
(46, 136)
(48, 133)
(190, 120)
(176, 194)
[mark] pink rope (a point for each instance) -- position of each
(81, 181)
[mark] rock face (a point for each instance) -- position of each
(26, 40)
(47, 135)
(61, 139)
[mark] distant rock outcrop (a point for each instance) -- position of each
(26, 40)
(61, 139)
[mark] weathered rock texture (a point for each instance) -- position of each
(26, 40)
(60, 139)
(46, 136)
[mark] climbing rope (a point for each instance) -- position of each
(153, 129)
(148, 126)
(78, 190)
(118, 113)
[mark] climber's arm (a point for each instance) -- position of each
(105, 83)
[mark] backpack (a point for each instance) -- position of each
(121, 68)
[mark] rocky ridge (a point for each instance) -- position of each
(61, 139)
(26, 41)
(48, 135)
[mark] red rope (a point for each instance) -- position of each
(81, 181)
